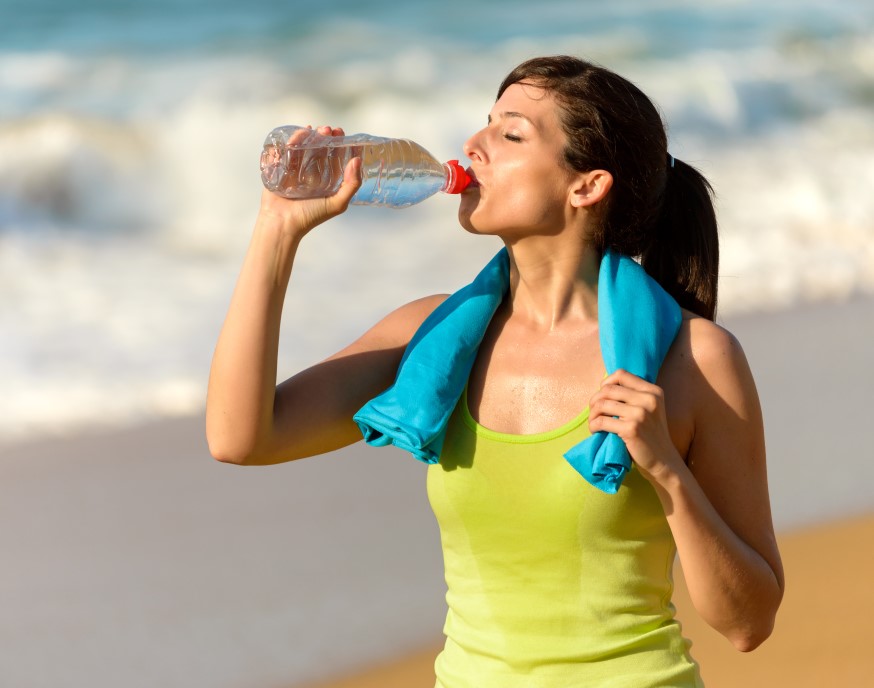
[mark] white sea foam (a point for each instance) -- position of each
(128, 185)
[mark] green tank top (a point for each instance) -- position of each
(550, 582)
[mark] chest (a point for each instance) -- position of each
(507, 494)
(526, 383)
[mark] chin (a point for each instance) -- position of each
(467, 219)
(474, 225)
(471, 227)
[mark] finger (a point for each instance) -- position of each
(352, 173)
(607, 424)
(299, 136)
(621, 401)
(626, 379)
(610, 407)
(626, 395)
(648, 400)
(327, 130)
(351, 183)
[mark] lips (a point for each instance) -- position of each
(474, 182)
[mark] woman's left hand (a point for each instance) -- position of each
(716, 504)
(634, 409)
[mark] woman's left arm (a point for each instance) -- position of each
(716, 500)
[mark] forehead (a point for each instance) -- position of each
(533, 102)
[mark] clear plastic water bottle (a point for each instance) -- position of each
(298, 162)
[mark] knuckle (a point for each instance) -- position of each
(633, 430)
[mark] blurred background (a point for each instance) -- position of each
(130, 134)
(129, 142)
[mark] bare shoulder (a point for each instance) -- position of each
(711, 343)
(415, 312)
(723, 364)
(707, 382)
(708, 350)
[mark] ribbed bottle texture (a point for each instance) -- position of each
(298, 162)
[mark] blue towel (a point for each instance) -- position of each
(637, 320)
(637, 323)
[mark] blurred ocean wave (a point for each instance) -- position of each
(130, 133)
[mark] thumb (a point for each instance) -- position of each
(351, 184)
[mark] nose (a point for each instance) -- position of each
(472, 147)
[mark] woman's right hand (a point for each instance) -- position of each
(299, 216)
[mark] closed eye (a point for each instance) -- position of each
(510, 137)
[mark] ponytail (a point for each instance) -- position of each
(683, 253)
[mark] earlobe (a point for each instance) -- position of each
(591, 188)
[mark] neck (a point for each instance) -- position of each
(553, 281)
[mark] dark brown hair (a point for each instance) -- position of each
(659, 209)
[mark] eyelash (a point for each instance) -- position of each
(510, 137)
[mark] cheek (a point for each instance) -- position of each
(532, 206)
(517, 199)
(516, 211)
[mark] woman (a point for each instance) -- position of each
(551, 582)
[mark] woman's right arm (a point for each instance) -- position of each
(251, 421)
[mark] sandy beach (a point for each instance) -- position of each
(132, 559)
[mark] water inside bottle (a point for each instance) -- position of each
(302, 171)
(398, 173)
(395, 172)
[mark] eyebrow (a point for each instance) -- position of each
(511, 114)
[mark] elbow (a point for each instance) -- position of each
(233, 442)
(226, 453)
(243, 452)
(229, 458)
(227, 447)
(756, 625)
(749, 640)
(751, 635)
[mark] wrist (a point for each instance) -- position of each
(279, 228)
(272, 250)
(668, 476)
(290, 218)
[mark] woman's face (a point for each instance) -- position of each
(523, 184)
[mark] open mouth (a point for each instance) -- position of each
(474, 182)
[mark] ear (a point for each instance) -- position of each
(590, 187)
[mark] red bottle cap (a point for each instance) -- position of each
(458, 178)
